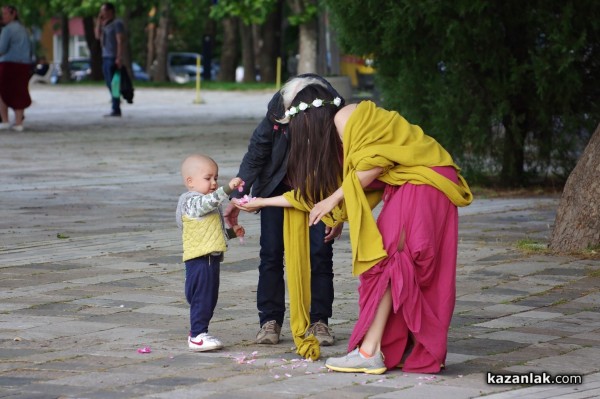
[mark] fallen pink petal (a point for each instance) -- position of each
(145, 349)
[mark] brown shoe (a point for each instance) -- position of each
(269, 333)
(322, 333)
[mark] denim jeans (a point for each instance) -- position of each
(270, 295)
(108, 69)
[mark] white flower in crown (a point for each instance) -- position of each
(302, 106)
(317, 102)
(293, 111)
(337, 101)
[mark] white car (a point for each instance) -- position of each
(183, 67)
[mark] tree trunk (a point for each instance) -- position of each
(159, 72)
(307, 37)
(208, 44)
(64, 62)
(126, 56)
(308, 48)
(94, 47)
(248, 53)
(269, 36)
(513, 154)
(150, 50)
(229, 50)
(577, 225)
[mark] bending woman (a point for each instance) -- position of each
(342, 163)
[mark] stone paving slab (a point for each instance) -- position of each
(91, 271)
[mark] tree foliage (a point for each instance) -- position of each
(249, 11)
(511, 88)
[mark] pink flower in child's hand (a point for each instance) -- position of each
(241, 186)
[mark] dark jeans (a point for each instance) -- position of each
(270, 295)
(108, 69)
(202, 291)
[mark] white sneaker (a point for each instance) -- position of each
(204, 342)
(18, 128)
(4, 126)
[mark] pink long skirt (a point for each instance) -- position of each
(422, 277)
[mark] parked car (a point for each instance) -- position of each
(139, 73)
(81, 69)
(182, 67)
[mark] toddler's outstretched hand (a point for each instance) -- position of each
(236, 182)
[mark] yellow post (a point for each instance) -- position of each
(278, 83)
(198, 100)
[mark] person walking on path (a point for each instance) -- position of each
(204, 242)
(111, 33)
(15, 69)
(343, 161)
(264, 170)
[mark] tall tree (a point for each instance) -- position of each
(511, 88)
(150, 38)
(269, 45)
(305, 16)
(248, 12)
(64, 62)
(161, 44)
(229, 49)
(248, 61)
(94, 46)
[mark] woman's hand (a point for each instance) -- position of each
(321, 209)
(252, 206)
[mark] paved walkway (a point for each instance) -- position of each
(90, 272)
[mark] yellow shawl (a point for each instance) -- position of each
(373, 137)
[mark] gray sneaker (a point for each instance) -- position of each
(322, 333)
(353, 362)
(269, 333)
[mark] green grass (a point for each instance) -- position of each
(528, 245)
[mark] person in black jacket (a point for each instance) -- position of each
(264, 169)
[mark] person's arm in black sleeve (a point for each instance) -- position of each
(259, 149)
(257, 156)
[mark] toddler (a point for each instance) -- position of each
(204, 237)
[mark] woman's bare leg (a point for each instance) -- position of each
(3, 111)
(371, 343)
(19, 116)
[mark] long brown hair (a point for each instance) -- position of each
(314, 164)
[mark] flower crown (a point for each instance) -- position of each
(317, 102)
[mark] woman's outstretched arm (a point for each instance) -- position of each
(257, 203)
